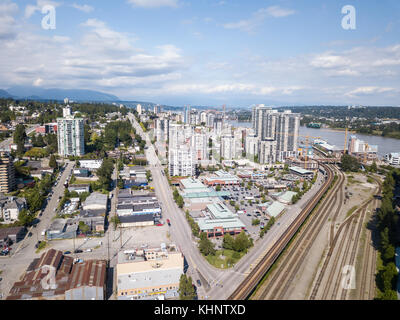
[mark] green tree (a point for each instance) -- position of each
(242, 242)
(115, 220)
(19, 137)
(228, 242)
(349, 163)
(83, 227)
(206, 247)
(53, 162)
(25, 218)
(186, 289)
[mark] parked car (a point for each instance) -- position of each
(88, 250)
(67, 252)
(78, 251)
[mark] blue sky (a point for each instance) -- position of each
(207, 52)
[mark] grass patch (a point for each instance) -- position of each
(350, 212)
(42, 246)
(222, 258)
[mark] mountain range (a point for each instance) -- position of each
(35, 93)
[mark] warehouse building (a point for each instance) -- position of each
(80, 281)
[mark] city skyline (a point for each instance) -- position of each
(179, 52)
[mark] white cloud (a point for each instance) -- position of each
(258, 18)
(154, 3)
(7, 21)
(278, 12)
(85, 8)
(30, 9)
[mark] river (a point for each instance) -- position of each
(385, 145)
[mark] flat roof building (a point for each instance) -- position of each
(149, 274)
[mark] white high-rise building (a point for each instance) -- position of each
(157, 109)
(70, 135)
(139, 109)
(176, 135)
(210, 120)
(181, 162)
(67, 111)
(162, 129)
(228, 147)
(282, 127)
(267, 152)
(251, 144)
(199, 144)
(203, 117)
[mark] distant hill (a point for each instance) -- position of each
(5, 94)
(28, 92)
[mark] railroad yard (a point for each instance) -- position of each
(333, 246)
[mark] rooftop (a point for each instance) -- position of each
(275, 209)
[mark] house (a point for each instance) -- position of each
(81, 173)
(10, 207)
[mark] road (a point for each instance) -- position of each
(5, 145)
(222, 281)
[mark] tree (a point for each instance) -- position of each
(242, 242)
(25, 218)
(349, 163)
(53, 162)
(206, 247)
(218, 188)
(228, 242)
(180, 202)
(115, 220)
(186, 289)
(255, 222)
(83, 227)
(19, 138)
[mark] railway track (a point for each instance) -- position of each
(352, 224)
(250, 282)
(278, 286)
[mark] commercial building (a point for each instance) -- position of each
(220, 220)
(147, 274)
(393, 158)
(222, 178)
(70, 135)
(186, 114)
(302, 172)
(7, 173)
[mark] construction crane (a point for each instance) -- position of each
(345, 142)
(366, 147)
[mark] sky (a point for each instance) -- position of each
(207, 52)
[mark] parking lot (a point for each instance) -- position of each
(247, 212)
